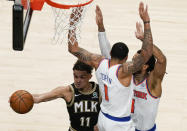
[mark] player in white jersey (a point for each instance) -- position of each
(114, 75)
(146, 82)
(148, 88)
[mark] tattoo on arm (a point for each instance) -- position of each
(87, 57)
(148, 42)
(83, 55)
(133, 66)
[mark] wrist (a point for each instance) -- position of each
(146, 22)
(101, 28)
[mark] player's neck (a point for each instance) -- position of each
(139, 77)
(87, 88)
(115, 62)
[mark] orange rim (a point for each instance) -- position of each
(57, 5)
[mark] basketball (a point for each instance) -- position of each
(21, 101)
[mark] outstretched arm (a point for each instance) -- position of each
(58, 92)
(73, 47)
(103, 41)
(147, 45)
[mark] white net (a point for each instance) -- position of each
(63, 19)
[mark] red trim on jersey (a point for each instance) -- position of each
(117, 70)
(108, 63)
(106, 92)
(132, 106)
(149, 91)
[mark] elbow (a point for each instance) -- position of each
(162, 59)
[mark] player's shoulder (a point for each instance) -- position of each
(94, 85)
(64, 89)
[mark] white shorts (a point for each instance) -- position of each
(106, 124)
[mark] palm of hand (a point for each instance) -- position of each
(139, 31)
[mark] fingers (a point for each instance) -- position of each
(143, 12)
(146, 9)
(99, 16)
(141, 8)
(98, 10)
(137, 26)
(136, 32)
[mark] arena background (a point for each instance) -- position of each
(43, 66)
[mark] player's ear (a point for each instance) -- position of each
(126, 58)
(90, 76)
(145, 67)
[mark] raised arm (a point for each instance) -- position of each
(104, 44)
(160, 66)
(59, 92)
(73, 47)
(147, 45)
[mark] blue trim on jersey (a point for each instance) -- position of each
(139, 82)
(149, 91)
(119, 119)
(118, 70)
(152, 129)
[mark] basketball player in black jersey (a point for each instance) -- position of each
(82, 98)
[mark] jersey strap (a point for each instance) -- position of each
(152, 129)
(71, 129)
(119, 119)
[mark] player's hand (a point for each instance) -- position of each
(99, 19)
(96, 128)
(139, 31)
(143, 12)
(75, 15)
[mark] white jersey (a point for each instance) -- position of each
(145, 106)
(116, 98)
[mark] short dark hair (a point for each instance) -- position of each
(82, 67)
(150, 62)
(119, 50)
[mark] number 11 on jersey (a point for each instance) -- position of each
(106, 93)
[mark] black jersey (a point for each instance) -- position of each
(84, 108)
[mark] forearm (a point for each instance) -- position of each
(134, 65)
(158, 54)
(147, 45)
(38, 98)
(104, 44)
(87, 57)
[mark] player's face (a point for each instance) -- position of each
(81, 79)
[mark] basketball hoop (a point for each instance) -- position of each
(62, 9)
(63, 6)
